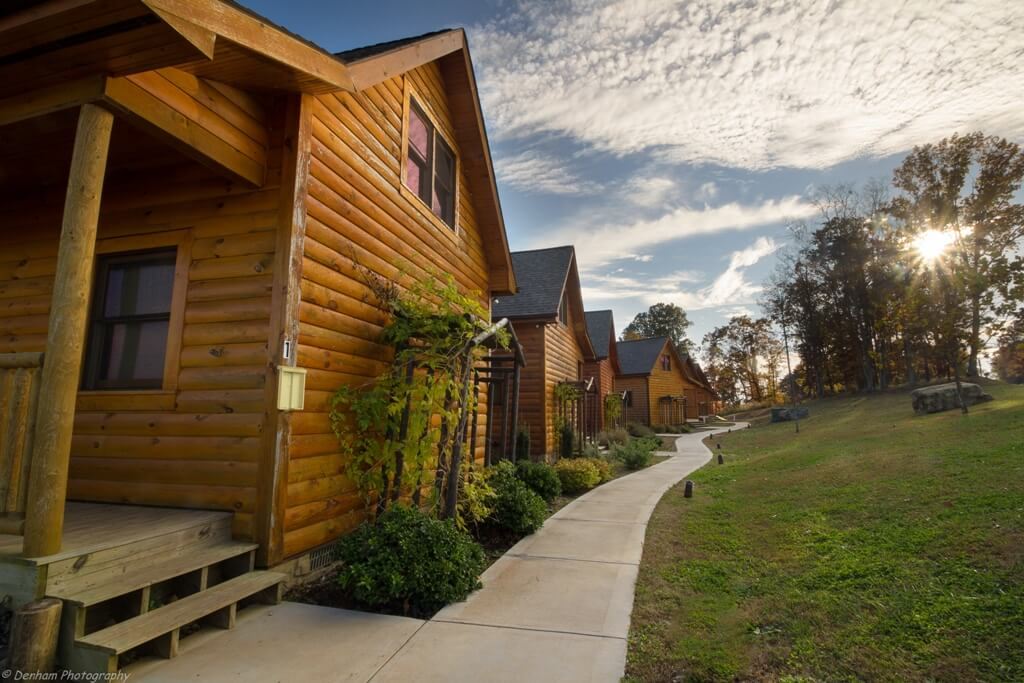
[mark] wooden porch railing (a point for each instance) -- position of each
(19, 398)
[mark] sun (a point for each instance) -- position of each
(931, 244)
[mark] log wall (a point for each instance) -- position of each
(640, 410)
(358, 213)
(562, 359)
(196, 442)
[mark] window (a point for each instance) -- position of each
(628, 399)
(666, 362)
(563, 309)
(430, 166)
(131, 312)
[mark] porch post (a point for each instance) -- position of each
(65, 336)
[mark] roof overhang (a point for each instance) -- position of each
(62, 40)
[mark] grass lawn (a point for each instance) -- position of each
(874, 545)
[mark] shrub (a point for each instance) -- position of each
(411, 561)
(620, 436)
(638, 430)
(516, 508)
(661, 429)
(637, 453)
(540, 478)
(604, 469)
(476, 498)
(602, 439)
(591, 451)
(683, 429)
(577, 475)
(566, 441)
(523, 443)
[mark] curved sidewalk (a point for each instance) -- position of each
(556, 606)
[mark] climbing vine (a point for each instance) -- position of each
(612, 408)
(397, 429)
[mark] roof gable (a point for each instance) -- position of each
(639, 356)
(544, 277)
(601, 329)
(374, 64)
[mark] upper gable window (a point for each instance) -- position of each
(666, 362)
(430, 165)
(563, 310)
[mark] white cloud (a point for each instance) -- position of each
(729, 291)
(537, 172)
(755, 85)
(598, 244)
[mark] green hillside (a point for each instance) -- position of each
(874, 545)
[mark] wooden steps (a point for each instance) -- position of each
(98, 652)
(134, 580)
(145, 577)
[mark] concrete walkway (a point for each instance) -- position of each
(555, 607)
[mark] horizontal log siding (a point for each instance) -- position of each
(562, 355)
(200, 444)
(604, 375)
(356, 211)
(533, 406)
(640, 410)
(669, 383)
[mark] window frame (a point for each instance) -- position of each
(412, 98)
(181, 241)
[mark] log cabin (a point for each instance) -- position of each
(548, 318)
(192, 195)
(605, 366)
(654, 382)
(703, 400)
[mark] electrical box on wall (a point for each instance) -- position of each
(291, 388)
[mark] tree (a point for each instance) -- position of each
(966, 184)
(735, 354)
(1009, 359)
(661, 320)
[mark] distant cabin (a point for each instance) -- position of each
(605, 366)
(659, 386)
(548, 317)
(175, 317)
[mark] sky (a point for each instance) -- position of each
(673, 142)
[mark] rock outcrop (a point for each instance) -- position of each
(942, 397)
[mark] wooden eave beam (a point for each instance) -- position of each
(50, 99)
(128, 97)
(261, 37)
(378, 68)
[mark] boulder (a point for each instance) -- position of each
(789, 414)
(940, 397)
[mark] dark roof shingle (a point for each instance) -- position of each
(541, 275)
(600, 328)
(638, 356)
(357, 53)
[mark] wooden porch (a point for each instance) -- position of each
(134, 580)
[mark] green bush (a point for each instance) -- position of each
(591, 451)
(566, 441)
(577, 475)
(661, 429)
(683, 429)
(541, 478)
(638, 430)
(604, 469)
(409, 561)
(516, 508)
(620, 436)
(523, 443)
(637, 454)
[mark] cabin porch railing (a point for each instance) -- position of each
(19, 400)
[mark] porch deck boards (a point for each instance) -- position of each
(90, 527)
